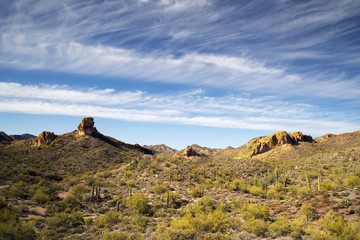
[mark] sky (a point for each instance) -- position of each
(210, 72)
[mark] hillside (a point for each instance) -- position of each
(83, 185)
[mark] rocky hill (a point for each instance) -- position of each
(264, 144)
(79, 151)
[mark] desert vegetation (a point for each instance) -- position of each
(86, 188)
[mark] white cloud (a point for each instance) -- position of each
(192, 108)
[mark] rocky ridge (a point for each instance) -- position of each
(265, 144)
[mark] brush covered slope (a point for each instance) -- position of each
(92, 189)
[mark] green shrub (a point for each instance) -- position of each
(308, 211)
(61, 224)
(119, 235)
(352, 181)
(281, 227)
(19, 190)
(256, 211)
(139, 203)
(40, 196)
(196, 192)
(256, 226)
(159, 188)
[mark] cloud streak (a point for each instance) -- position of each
(193, 108)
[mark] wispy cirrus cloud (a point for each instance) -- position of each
(190, 108)
(198, 43)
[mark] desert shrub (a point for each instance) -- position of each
(119, 235)
(90, 180)
(61, 224)
(276, 192)
(170, 198)
(352, 181)
(315, 233)
(107, 219)
(256, 211)
(152, 168)
(334, 223)
(235, 185)
(308, 211)
(19, 190)
(343, 203)
(139, 203)
(298, 226)
(3, 202)
(281, 227)
(131, 183)
(196, 192)
(326, 186)
(159, 188)
(40, 196)
(122, 182)
(11, 227)
(206, 204)
(197, 225)
(79, 191)
(304, 193)
(256, 226)
(140, 220)
(257, 191)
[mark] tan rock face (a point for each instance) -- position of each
(44, 138)
(86, 127)
(268, 143)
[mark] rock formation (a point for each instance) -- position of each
(86, 127)
(190, 152)
(44, 138)
(264, 144)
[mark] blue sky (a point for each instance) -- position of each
(215, 73)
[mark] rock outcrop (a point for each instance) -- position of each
(44, 138)
(86, 127)
(264, 144)
(190, 152)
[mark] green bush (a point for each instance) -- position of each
(62, 223)
(196, 192)
(352, 181)
(40, 196)
(281, 227)
(256, 226)
(11, 227)
(19, 190)
(139, 203)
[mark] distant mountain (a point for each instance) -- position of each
(161, 149)
(4, 138)
(25, 136)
